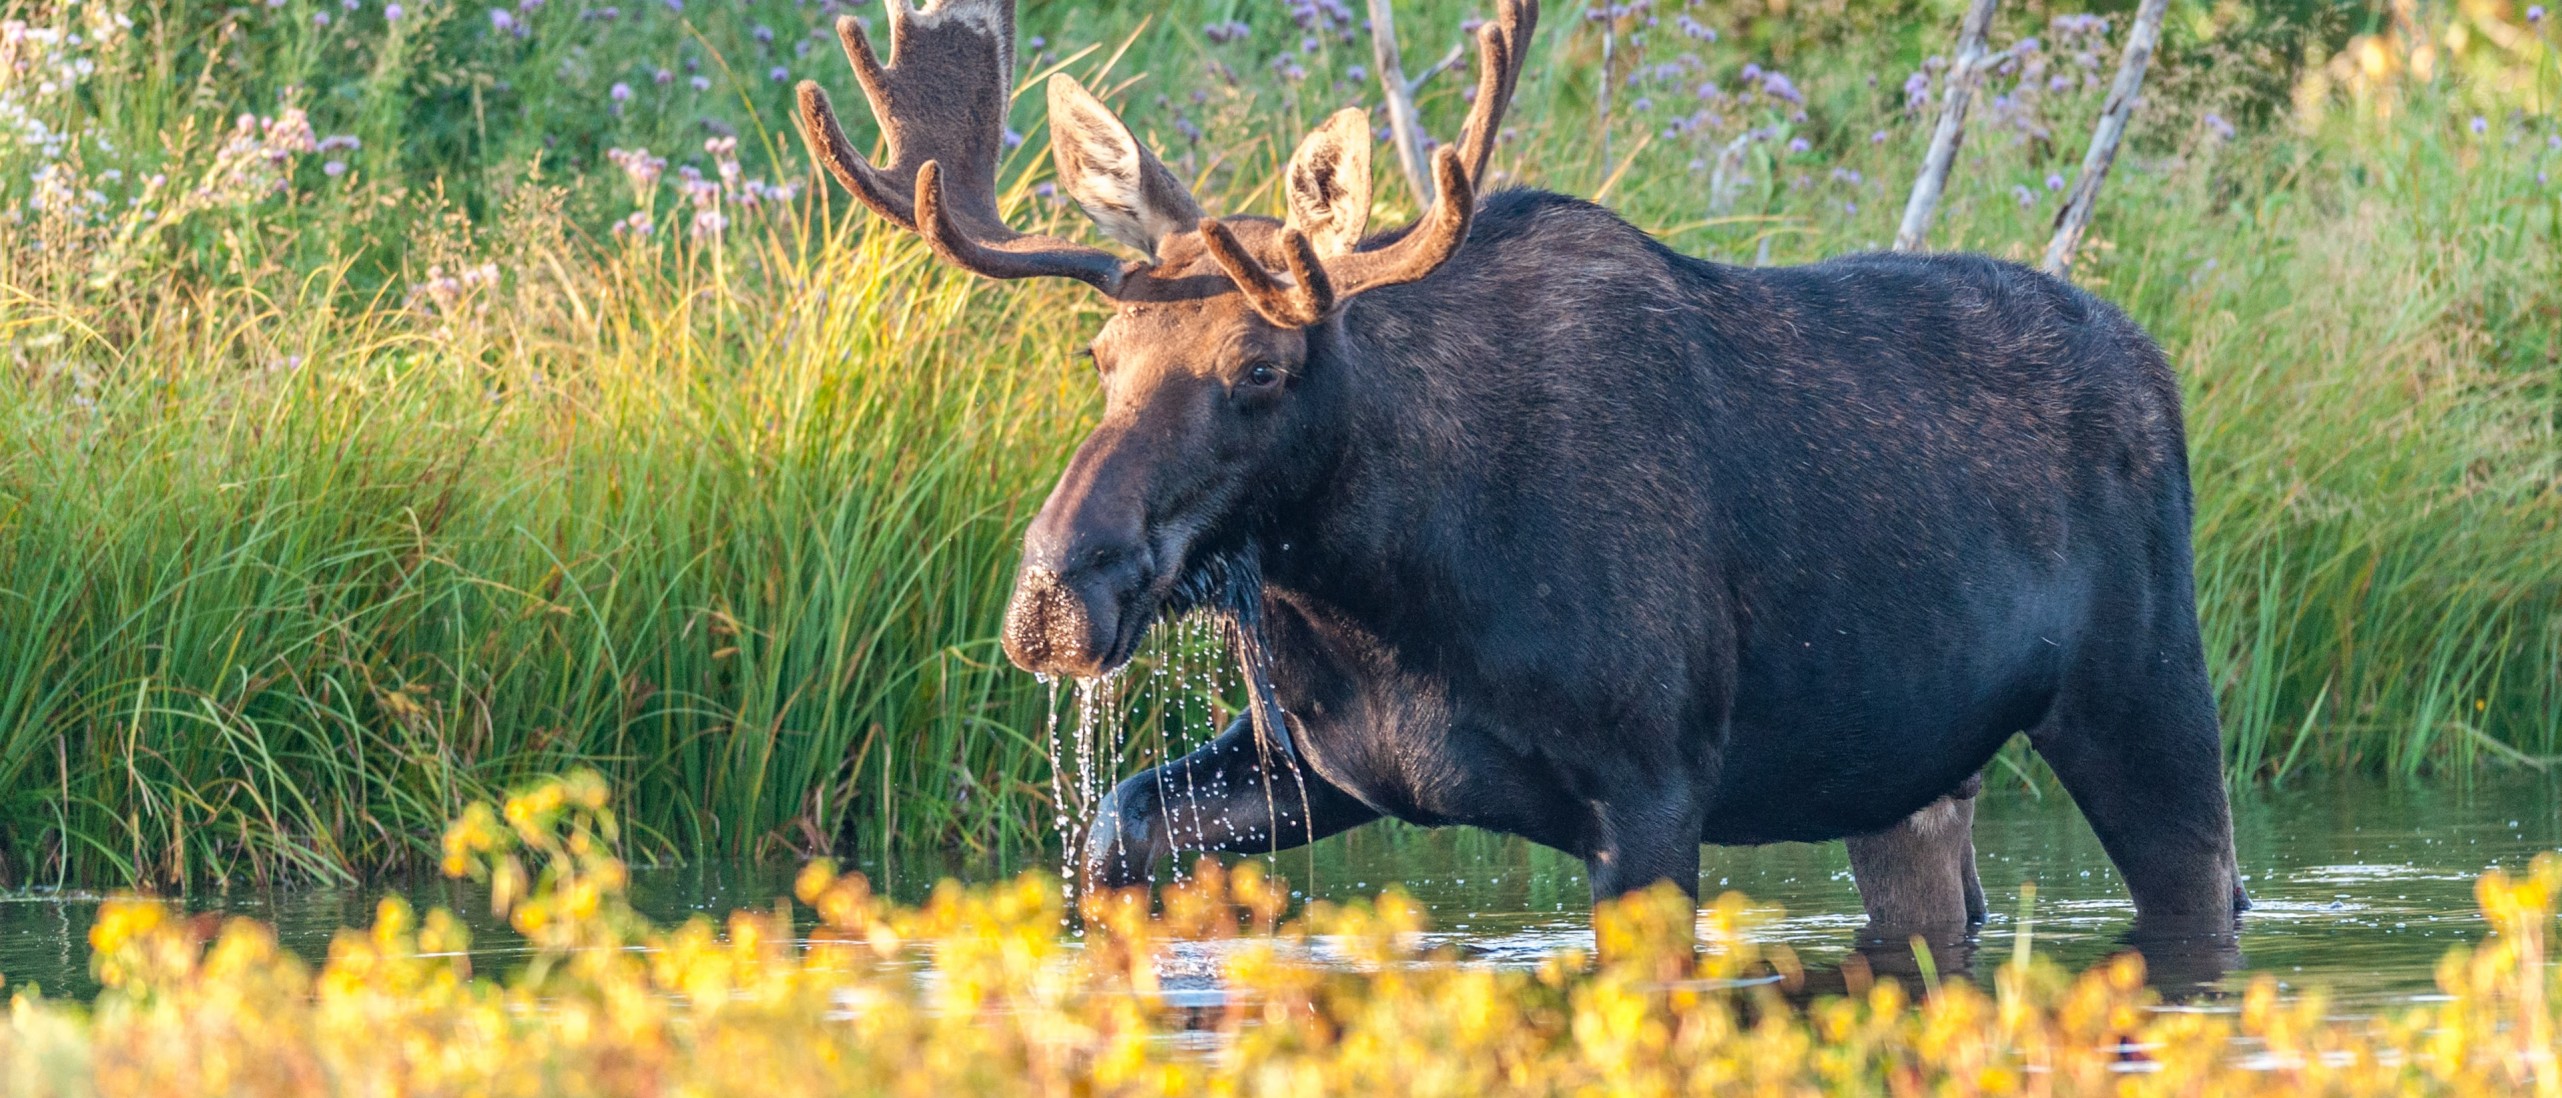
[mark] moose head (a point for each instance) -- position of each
(1221, 373)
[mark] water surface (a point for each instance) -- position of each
(2356, 886)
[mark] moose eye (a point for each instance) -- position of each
(1262, 375)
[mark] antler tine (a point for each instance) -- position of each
(1317, 286)
(1502, 44)
(1304, 300)
(1426, 245)
(941, 101)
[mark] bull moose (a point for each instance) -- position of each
(1541, 526)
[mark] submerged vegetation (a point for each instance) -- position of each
(978, 991)
(401, 399)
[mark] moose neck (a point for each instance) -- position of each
(1484, 405)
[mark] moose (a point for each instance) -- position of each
(1537, 525)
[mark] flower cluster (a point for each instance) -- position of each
(710, 198)
(977, 991)
(450, 295)
(41, 71)
(256, 159)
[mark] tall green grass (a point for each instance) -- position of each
(296, 559)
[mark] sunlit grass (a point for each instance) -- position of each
(332, 500)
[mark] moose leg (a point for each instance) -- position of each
(2134, 741)
(1641, 838)
(1231, 794)
(1918, 877)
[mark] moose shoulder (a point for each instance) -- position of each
(1543, 527)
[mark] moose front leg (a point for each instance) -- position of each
(1231, 795)
(1642, 836)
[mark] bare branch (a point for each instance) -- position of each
(2075, 217)
(1951, 131)
(1458, 52)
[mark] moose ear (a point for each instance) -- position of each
(1119, 183)
(1329, 183)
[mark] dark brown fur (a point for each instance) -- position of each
(1577, 538)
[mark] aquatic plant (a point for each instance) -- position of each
(980, 991)
(335, 498)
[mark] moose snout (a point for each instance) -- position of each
(1071, 608)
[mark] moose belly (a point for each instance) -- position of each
(1819, 750)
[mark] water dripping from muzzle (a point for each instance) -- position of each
(1187, 686)
(1272, 730)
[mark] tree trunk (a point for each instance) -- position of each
(1951, 132)
(1402, 123)
(2075, 217)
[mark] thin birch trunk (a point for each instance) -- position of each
(1951, 132)
(1402, 123)
(2075, 217)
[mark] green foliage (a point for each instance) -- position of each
(344, 481)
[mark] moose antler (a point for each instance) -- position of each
(1314, 285)
(941, 102)
(1502, 44)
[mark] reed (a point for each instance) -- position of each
(374, 458)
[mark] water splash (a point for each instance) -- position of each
(1195, 674)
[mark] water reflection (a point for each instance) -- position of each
(2355, 886)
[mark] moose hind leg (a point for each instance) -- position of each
(2136, 745)
(1918, 877)
(1232, 794)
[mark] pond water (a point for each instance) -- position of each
(2357, 887)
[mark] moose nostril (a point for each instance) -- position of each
(1044, 621)
(1101, 557)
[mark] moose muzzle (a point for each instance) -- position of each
(1085, 569)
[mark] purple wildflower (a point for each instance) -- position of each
(619, 92)
(392, 12)
(701, 83)
(778, 74)
(2479, 124)
(2054, 182)
(1799, 144)
(501, 21)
